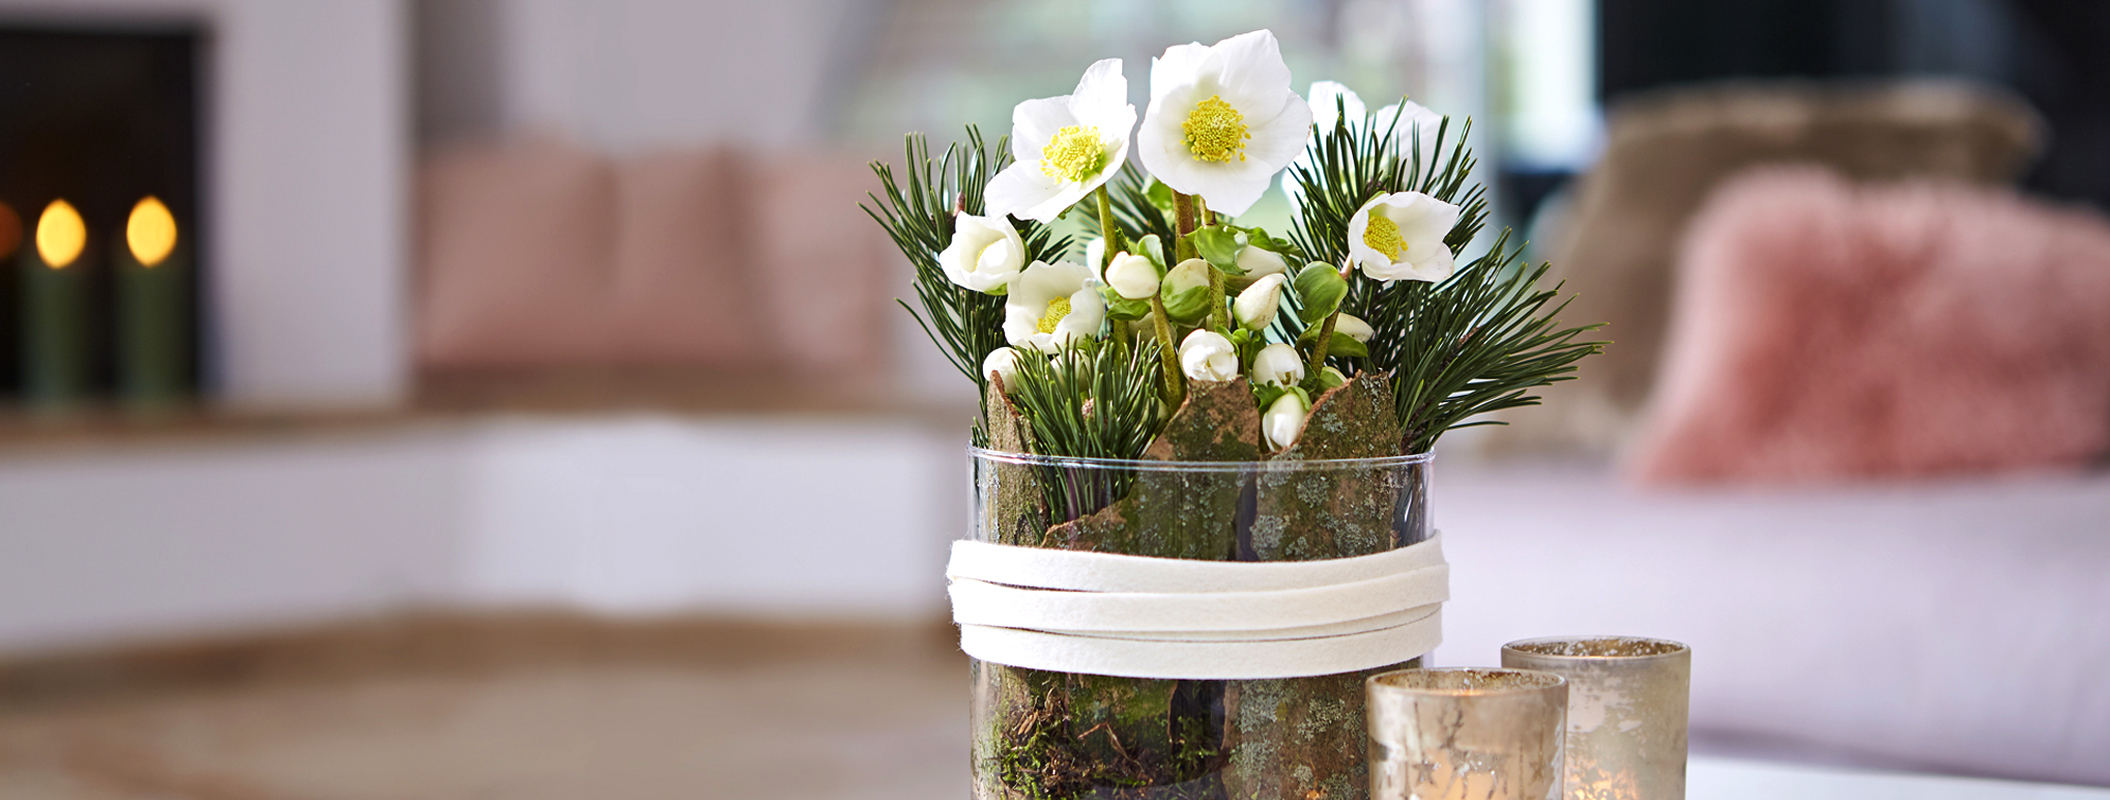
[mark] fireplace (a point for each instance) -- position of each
(100, 217)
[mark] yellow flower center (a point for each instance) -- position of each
(1057, 309)
(1382, 234)
(1216, 131)
(1073, 153)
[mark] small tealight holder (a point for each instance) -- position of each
(1466, 733)
(1627, 706)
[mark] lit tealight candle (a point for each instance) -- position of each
(1626, 712)
(1466, 734)
(54, 312)
(152, 316)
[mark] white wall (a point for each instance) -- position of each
(307, 137)
(641, 514)
(632, 74)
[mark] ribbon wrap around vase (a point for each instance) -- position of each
(1142, 617)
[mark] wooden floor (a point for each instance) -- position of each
(512, 707)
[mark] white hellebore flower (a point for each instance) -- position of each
(1283, 420)
(1256, 306)
(1222, 120)
(1051, 305)
(1132, 276)
(1278, 364)
(1003, 363)
(1400, 235)
(1354, 327)
(1064, 147)
(1208, 356)
(985, 254)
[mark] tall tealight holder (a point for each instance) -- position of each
(1627, 707)
(1466, 734)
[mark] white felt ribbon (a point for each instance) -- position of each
(1139, 617)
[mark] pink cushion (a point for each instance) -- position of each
(516, 260)
(822, 260)
(1823, 330)
(685, 286)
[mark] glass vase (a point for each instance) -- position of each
(1045, 735)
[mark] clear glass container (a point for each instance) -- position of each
(1627, 712)
(1466, 732)
(1049, 735)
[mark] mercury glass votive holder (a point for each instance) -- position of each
(1627, 705)
(1466, 733)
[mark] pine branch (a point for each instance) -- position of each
(965, 324)
(1475, 343)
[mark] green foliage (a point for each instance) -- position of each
(1472, 344)
(964, 323)
(1098, 399)
(1355, 163)
(1095, 400)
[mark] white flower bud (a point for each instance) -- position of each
(1003, 363)
(1283, 420)
(1095, 253)
(986, 252)
(1256, 305)
(1259, 263)
(1278, 364)
(1208, 356)
(1354, 328)
(1133, 277)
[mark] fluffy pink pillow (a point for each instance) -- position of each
(1826, 330)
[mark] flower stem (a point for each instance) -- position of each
(1107, 231)
(1183, 214)
(1318, 349)
(1169, 353)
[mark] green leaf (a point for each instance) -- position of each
(1186, 306)
(1148, 247)
(1122, 308)
(1342, 344)
(1266, 394)
(1159, 195)
(1218, 245)
(1320, 290)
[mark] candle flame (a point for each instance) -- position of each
(60, 234)
(151, 231)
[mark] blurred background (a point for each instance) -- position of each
(521, 409)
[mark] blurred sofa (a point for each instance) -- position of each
(1946, 619)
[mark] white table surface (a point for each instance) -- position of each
(1709, 778)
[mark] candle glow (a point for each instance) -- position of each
(151, 231)
(60, 234)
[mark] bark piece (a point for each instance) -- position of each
(1303, 738)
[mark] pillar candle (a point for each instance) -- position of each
(153, 315)
(54, 311)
